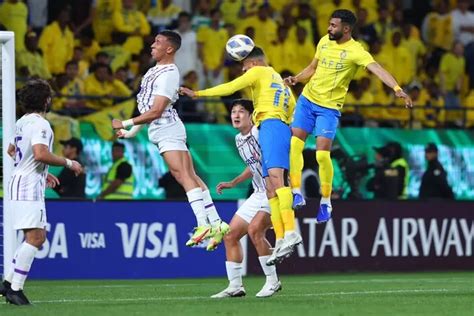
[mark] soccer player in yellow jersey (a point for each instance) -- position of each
(273, 107)
(337, 58)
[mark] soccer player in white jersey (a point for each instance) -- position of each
(31, 150)
(253, 217)
(158, 92)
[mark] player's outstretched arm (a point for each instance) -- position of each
(187, 92)
(41, 153)
(304, 75)
(159, 105)
(390, 81)
(123, 133)
(246, 174)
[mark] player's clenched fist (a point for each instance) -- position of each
(290, 81)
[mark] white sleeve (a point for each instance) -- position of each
(166, 85)
(255, 133)
(41, 133)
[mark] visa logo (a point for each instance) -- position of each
(92, 240)
(149, 240)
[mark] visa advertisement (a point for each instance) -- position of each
(131, 240)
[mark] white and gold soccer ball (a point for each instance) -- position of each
(239, 46)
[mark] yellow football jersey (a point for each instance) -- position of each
(337, 65)
(271, 98)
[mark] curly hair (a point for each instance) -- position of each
(33, 96)
(346, 17)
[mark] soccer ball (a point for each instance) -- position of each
(239, 46)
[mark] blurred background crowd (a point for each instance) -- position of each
(94, 52)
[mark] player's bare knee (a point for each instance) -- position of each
(255, 232)
(230, 238)
(36, 239)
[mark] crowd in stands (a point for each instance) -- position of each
(94, 52)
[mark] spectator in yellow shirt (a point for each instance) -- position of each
(414, 45)
(102, 19)
(363, 30)
(70, 103)
(232, 10)
(382, 25)
(89, 45)
(265, 27)
(83, 64)
(305, 51)
(102, 84)
(133, 24)
(437, 28)
(433, 114)
(57, 42)
(402, 60)
(162, 14)
(211, 49)
(358, 99)
(282, 52)
(30, 61)
(14, 16)
(451, 69)
(306, 19)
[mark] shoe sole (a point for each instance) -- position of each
(298, 206)
(239, 294)
(287, 255)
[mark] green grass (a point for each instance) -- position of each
(444, 293)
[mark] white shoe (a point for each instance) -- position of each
(230, 292)
(269, 289)
(288, 246)
(273, 257)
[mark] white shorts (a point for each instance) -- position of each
(28, 214)
(256, 202)
(168, 137)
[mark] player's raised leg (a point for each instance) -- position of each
(302, 125)
(178, 166)
(327, 121)
(219, 227)
(234, 258)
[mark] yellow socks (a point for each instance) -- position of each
(286, 202)
(276, 217)
(326, 172)
(296, 162)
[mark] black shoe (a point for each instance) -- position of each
(4, 287)
(17, 297)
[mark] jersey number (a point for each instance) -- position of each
(279, 90)
(18, 154)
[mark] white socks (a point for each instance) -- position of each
(210, 209)
(195, 198)
(269, 271)
(22, 263)
(325, 201)
(296, 191)
(234, 274)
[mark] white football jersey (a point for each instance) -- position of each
(249, 150)
(28, 180)
(160, 80)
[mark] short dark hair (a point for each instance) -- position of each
(183, 14)
(256, 52)
(32, 97)
(118, 144)
(346, 17)
(173, 37)
(245, 103)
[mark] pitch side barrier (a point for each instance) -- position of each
(146, 239)
(382, 236)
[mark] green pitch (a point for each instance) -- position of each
(445, 293)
